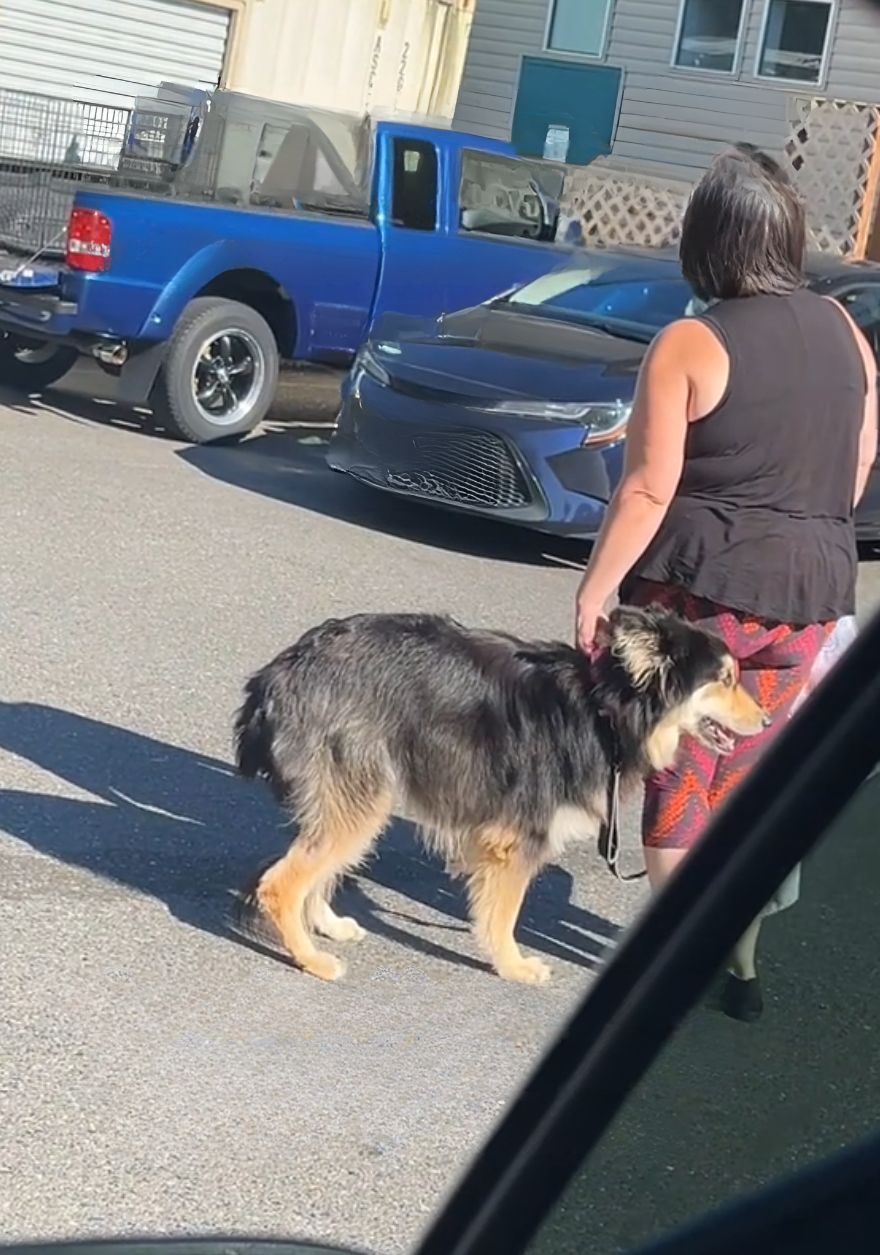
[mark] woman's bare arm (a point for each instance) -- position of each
(654, 458)
(868, 435)
(867, 439)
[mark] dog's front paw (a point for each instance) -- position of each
(531, 971)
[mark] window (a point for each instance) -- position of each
(728, 1108)
(502, 196)
(708, 35)
(795, 40)
(639, 306)
(579, 26)
(414, 200)
(298, 166)
(290, 170)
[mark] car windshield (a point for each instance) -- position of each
(635, 306)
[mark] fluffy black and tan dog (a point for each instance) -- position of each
(499, 749)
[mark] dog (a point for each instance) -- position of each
(500, 750)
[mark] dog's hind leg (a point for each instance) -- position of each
(336, 833)
(498, 876)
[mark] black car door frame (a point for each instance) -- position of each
(833, 1205)
(768, 826)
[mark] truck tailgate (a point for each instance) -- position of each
(17, 274)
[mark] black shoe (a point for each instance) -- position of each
(742, 999)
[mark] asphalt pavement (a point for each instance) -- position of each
(156, 1077)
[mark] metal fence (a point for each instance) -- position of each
(48, 148)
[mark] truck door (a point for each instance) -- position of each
(411, 280)
(433, 259)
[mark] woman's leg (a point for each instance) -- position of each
(775, 676)
(660, 865)
(679, 804)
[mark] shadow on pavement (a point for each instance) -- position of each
(285, 462)
(181, 827)
(87, 396)
(80, 409)
(288, 464)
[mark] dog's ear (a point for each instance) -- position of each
(636, 640)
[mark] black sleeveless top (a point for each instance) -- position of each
(762, 520)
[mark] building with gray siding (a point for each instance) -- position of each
(661, 84)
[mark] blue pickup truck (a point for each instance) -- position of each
(285, 233)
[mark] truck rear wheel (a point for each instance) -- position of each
(31, 365)
(221, 372)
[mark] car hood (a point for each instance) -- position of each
(488, 354)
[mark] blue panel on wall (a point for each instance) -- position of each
(565, 104)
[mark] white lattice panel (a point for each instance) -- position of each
(625, 208)
(832, 150)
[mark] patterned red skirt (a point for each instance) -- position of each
(775, 661)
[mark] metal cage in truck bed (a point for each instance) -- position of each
(48, 148)
(220, 146)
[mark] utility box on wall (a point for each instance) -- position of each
(565, 111)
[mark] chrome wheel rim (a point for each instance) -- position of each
(228, 376)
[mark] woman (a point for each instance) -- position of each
(752, 436)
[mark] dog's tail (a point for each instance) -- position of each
(254, 732)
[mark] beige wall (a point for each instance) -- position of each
(381, 55)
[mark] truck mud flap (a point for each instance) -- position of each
(138, 375)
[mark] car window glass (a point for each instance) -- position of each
(731, 1106)
(651, 303)
(295, 168)
(414, 201)
(506, 196)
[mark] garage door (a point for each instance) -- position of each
(109, 51)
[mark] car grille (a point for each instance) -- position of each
(463, 468)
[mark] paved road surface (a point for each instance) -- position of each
(153, 1075)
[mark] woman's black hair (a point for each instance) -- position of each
(744, 230)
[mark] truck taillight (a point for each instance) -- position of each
(89, 235)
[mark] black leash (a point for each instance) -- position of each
(609, 833)
(609, 836)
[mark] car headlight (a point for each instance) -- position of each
(368, 362)
(604, 421)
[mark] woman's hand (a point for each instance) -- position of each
(589, 620)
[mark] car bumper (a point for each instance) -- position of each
(530, 472)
